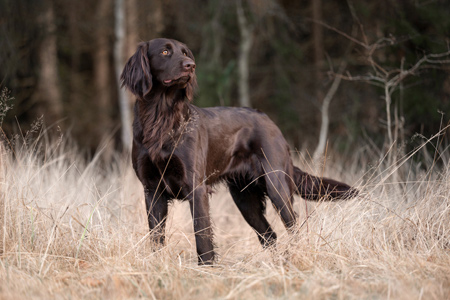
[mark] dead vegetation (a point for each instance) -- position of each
(72, 229)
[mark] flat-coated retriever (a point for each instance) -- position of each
(180, 150)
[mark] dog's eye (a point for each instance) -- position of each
(165, 52)
(184, 53)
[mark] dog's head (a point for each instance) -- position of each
(162, 64)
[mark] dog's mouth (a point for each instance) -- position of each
(180, 80)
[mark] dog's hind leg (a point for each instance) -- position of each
(280, 193)
(251, 202)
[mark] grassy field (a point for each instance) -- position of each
(72, 229)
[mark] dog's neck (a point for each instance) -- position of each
(161, 114)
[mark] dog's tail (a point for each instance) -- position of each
(314, 188)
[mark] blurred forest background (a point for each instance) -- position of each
(382, 66)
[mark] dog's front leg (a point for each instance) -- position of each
(199, 204)
(157, 206)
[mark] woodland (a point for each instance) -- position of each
(331, 74)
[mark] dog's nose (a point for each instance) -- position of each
(189, 65)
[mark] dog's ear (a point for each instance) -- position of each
(136, 75)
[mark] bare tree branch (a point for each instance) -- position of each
(389, 80)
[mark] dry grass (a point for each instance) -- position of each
(71, 229)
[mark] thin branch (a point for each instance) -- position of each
(365, 46)
(367, 78)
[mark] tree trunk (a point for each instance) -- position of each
(318, 50)
(325, 120)
(49, 96)
(125, 109)
(157, 19)
(132, 37)
(75, 84)
(246, 31)
(102, 71)
(392, 150)
(317, 32)
(102, 65)
(131, 28)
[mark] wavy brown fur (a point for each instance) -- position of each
(180, 150)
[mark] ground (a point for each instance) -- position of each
(73, 229)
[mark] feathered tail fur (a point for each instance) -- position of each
(316, 188)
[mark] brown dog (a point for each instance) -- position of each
(180, 150)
